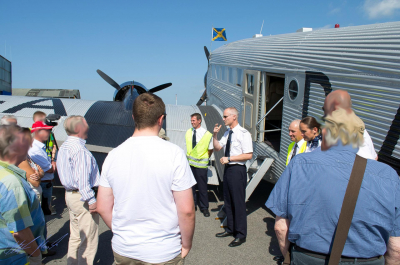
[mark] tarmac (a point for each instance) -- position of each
(260, 248)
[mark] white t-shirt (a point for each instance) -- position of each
(143, 172)
(367, 150)
(241, 142)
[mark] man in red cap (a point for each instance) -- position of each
(38, 154)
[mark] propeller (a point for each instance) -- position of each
(204, 96)
(108, 79)
(207, 53)
(139, 89)
(160, 87)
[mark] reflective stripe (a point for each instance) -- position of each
(192, 163)
(197, 159)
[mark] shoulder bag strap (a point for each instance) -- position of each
(348, 206)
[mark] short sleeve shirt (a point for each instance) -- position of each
(241, 142)
(143, 173)
(199, 134)
(310, 194)
(39, 155)
(19, 209)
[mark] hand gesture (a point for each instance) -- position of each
(35, 176)
(217, 128)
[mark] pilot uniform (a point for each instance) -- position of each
(236, 142)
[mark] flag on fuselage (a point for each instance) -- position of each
(219, 34)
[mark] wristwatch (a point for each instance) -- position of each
(229, 159)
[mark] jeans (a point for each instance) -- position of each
(300, 258)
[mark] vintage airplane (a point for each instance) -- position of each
(271, 81)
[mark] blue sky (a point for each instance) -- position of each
(61, 44)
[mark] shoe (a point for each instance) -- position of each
(195, 208)
(53, 211)
(237, 242)
(206, 213)
(223, 234)
(49, 253)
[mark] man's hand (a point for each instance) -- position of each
(217, 128)
(224, 160)
(185, 252)
(54, 165)
(35, 176)
(93, 208)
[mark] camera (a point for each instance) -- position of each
(51, 119)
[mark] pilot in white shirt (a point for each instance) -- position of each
(238, 148)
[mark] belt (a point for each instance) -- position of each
(231, 165)
(72, 190)
(94, 189)
(47, 180)
(324, 256)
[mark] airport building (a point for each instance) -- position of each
(5, 76)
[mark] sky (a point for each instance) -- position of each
(61, 44)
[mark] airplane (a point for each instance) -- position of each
(271, 80)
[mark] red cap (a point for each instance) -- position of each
(39, 125)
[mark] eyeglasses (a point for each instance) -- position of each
(165, 115)
(227, 116)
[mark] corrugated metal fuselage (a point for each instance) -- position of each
(364, 60)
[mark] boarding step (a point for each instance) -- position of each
(255, 173)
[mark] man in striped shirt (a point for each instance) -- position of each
(79, 174)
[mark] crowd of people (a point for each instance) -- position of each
(149, 189)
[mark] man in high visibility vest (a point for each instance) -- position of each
(298, 144)
(199, 148)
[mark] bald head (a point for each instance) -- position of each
(294, 131)
(337, 99)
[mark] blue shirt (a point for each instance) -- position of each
(19, 209)
(310, 194)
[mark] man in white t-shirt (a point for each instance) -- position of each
(341, 99)
(145, 193)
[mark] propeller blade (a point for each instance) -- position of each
(207, 53)
(108, 79)
(202, 98)
(160, 87)
(140, 89)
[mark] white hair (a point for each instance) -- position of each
(344, 137)
(5, 119)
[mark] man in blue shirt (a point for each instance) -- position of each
(308, 197)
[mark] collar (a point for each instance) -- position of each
(236, 128)
(76, 139)
(21, 173)
(340, 147)
(39, 144)
(299, 143)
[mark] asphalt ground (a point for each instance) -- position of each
(260, 248)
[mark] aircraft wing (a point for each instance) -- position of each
(110, 123)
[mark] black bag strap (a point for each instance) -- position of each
(348, 206)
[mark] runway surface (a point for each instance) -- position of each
(260, 248)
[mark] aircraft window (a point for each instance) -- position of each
(239, 77)
(217, 72)
(293, 89)
(213, 74)
(223, 73)
(250, 84)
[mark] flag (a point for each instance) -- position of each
(219, 34)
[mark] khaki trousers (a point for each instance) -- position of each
(84, 230)
(121, 260)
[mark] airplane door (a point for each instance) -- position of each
(251, 92)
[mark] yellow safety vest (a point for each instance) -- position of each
(302, 149)
(198, 156)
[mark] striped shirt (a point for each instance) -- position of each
(19, 209)
(77, 168)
